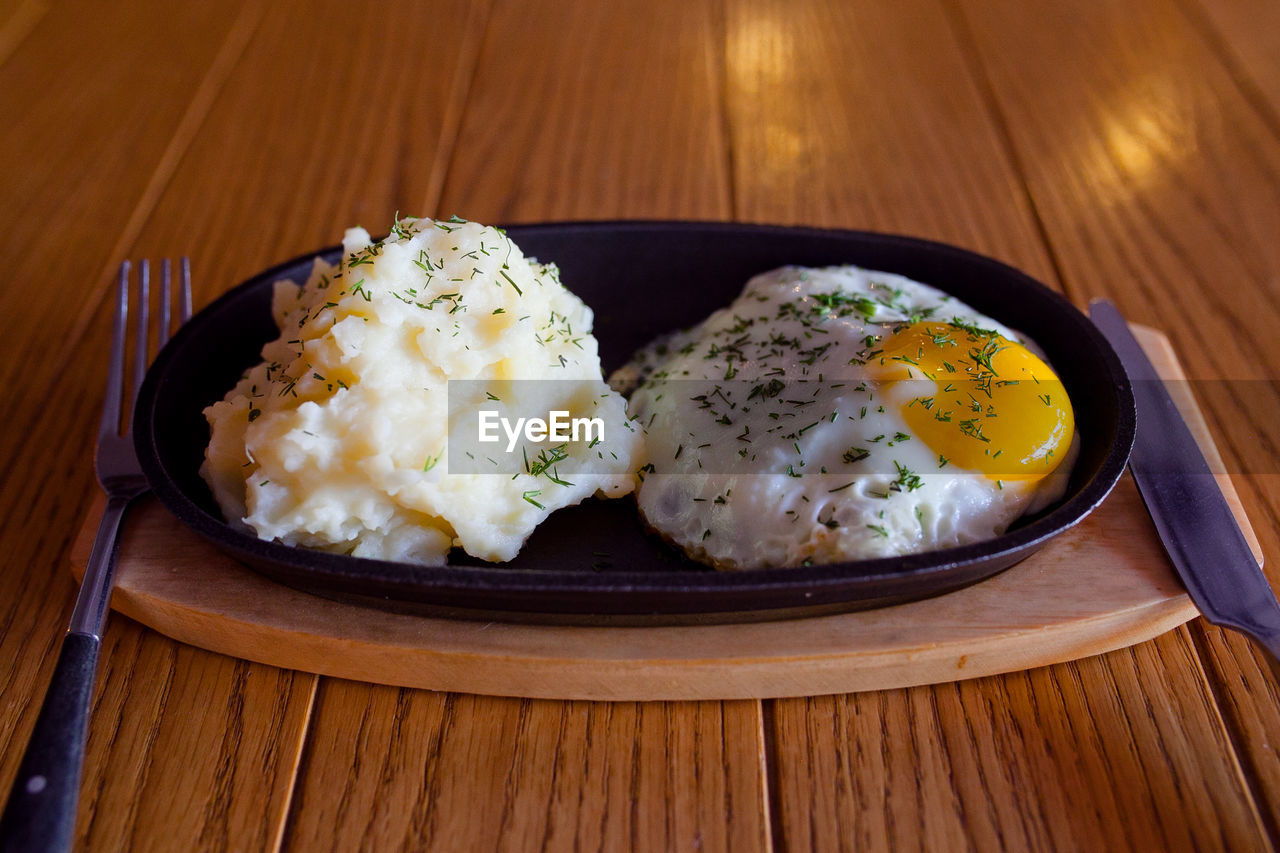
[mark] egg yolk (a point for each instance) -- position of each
(979, 400)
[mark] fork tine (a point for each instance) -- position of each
(115, 364)
(162, 328)
(184, 311)
(140, 358)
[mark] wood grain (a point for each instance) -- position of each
(397, 769)
(234, 729)
(237, 795)
(17, 19)
(1158, 180)
(226, 780)
(370, 137)
(63, 130)
(570, 115)
(1119, 149)
(45, 209)
(915, 139)
(1129, 771)
(897, 140)
(194, 751)
(1231, 28)
(105, 114)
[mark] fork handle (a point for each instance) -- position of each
(41, 811)
(40, 814)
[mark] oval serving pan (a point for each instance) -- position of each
(594, 563)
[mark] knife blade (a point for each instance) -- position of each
(1193, 519)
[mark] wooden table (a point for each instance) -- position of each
(1130, 149)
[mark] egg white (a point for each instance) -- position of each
(755, 421)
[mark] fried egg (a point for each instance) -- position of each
(841, 413)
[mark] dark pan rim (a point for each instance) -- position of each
(420, 583)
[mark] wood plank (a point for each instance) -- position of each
(907, 197)
(255, 175)
(602, 141)
(399, 769)
(1145, 194)
(86, 149)
(82, 122)
(17, 19)
(898, 141)
(174, 727)
(370, 136)
(908, 141)
(1039, 760)
(189, 749)
(1158, 179)
(588, 131)
(63, 129)
(1243, 34)
(225, 734)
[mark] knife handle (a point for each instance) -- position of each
(41, 811)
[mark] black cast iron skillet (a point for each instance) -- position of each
(594, 563)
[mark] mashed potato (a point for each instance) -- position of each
(339, 439)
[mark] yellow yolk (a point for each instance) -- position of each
(979, 400)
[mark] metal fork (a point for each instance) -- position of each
(41, 811)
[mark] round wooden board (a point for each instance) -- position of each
(1104, 585)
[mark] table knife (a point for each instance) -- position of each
(1193, 519)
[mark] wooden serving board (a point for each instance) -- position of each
(1101, 586)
